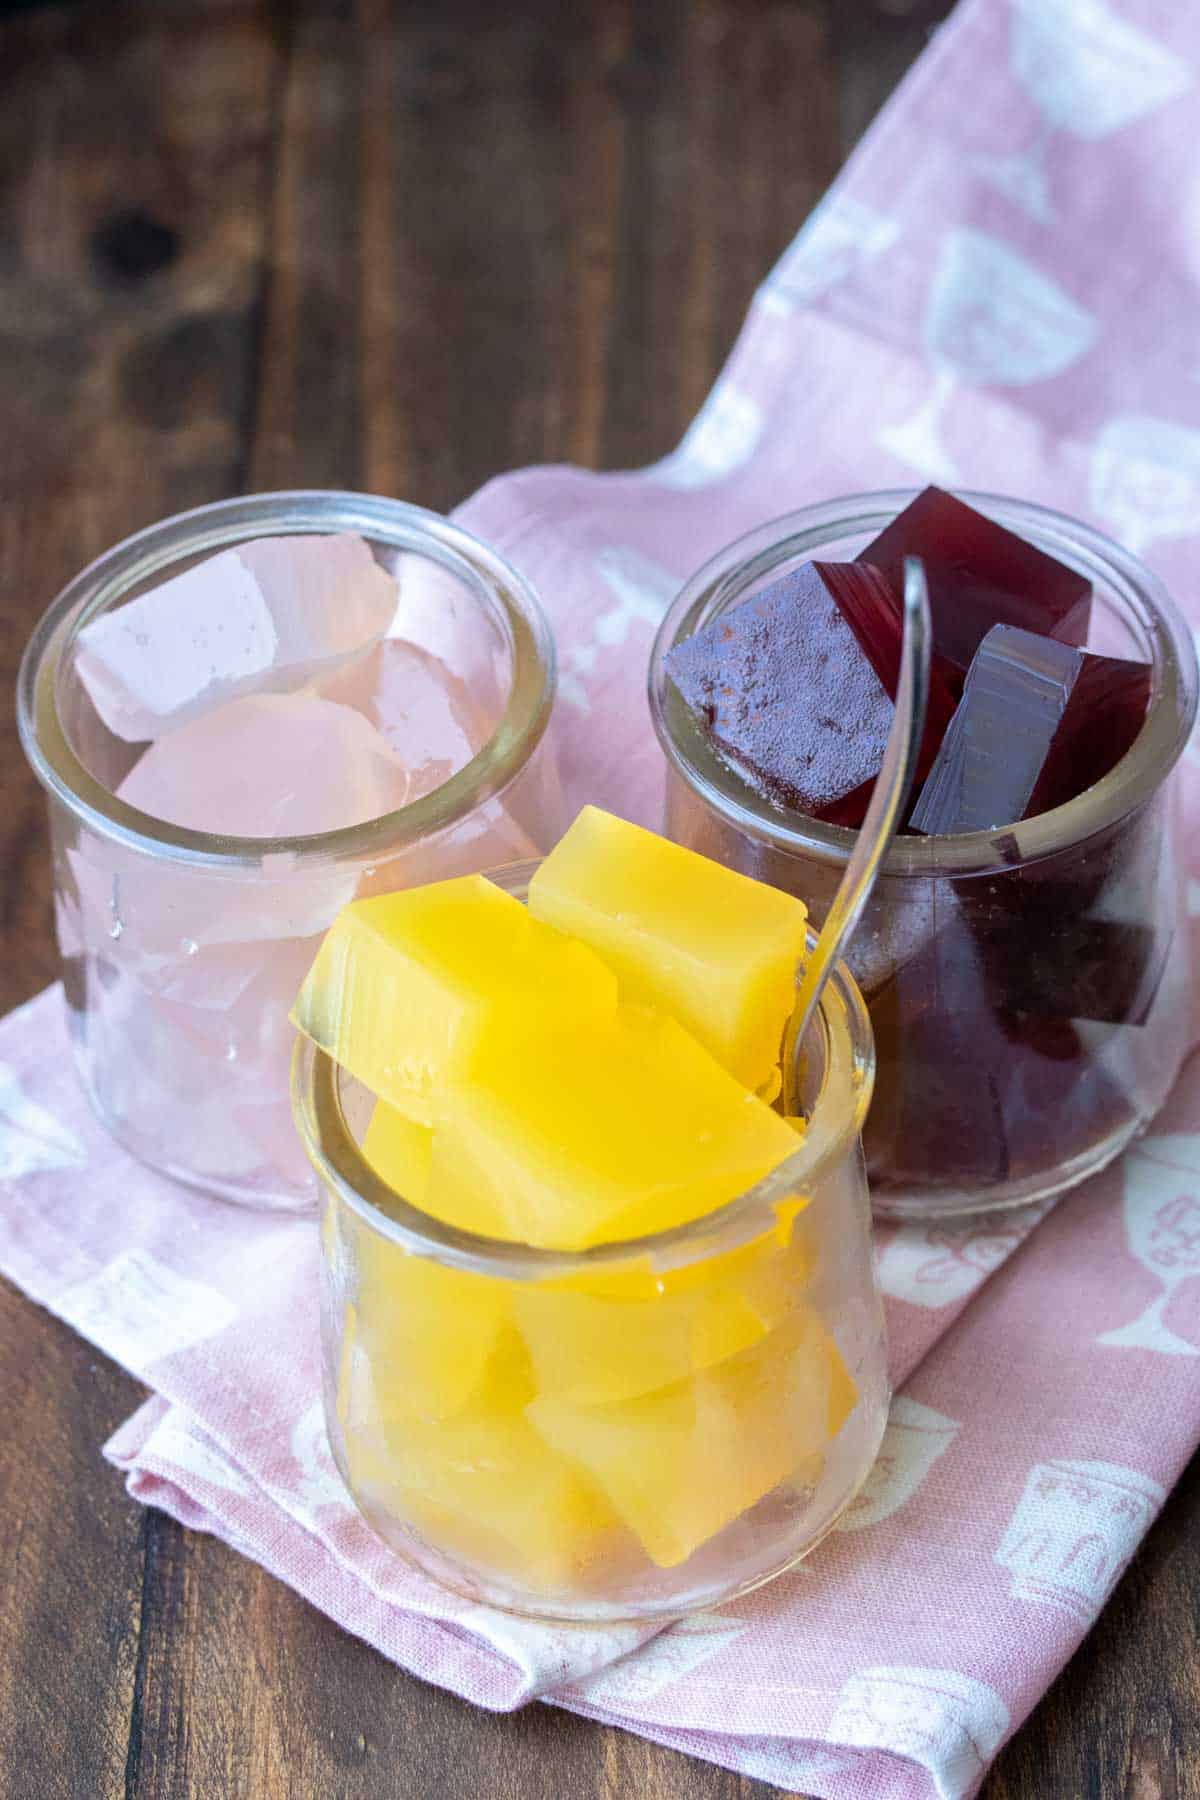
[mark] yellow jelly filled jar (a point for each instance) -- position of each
(627, 1432)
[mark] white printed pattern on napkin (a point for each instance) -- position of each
(1074, 1529)
(140, 1310)
(948, 1722)
(916, 1436)
(1089, 73)
(1162, 1223)
(31, 1138)
(941, 1264)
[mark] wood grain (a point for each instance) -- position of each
(247, 244)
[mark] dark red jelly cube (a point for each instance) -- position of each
(969, 1092)
(1104, 715)
(875, 617)
(979, 575)
(783, 687)
(1084, 934)
(1107, 970)
(1038, 722)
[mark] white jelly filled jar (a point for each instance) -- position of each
(182, 949)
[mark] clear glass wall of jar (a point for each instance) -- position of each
(181, 950)
(627, 1433)
(1029, 987)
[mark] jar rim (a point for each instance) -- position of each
(727, 576)
(206, 529)
(844, 1028)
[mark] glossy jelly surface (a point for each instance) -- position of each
(872, 607)
(407, 987)
(596, 1134)
(786, 690)
(1038, 722)
(980, 574)
(715, 950)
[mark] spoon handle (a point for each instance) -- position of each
(891, 791)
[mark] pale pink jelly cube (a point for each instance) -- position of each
(265, 616)
(423, 713)
(269, 765)
(431, 720)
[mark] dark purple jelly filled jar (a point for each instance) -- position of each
(1029, 986)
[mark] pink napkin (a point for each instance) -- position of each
(998, 292)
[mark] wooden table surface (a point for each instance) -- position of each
(248, 244)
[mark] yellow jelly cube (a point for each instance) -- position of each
(605, 1335)
(405, 986)
(843, 1390)
(399, 1150)
(770, 1269)
(429, 1333)
(484, 1485)
(714, 948)
(491, 1493)
(680, 1464)
(598, 1349)
(598, 1135)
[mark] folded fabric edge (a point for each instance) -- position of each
(303, 1561)
(812, 1767)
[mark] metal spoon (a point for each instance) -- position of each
(891, 791)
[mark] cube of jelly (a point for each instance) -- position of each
(1053, 963)
(713, 948)
(492, 1494)
(600, 1132)
(484, 1486)
(268, 614)
(873, 611)
(1105, 712)
(1085, 935)
(979, 575)
(422, 711)
(1038, 722)
(783, 687)
(598, 1347)
(269, 765)
(399, 1150)
(613, 1334)
(680, 1464)
(429, 1332)
(942, 1068)
(969, 1092)
(407, 986)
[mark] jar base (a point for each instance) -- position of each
(261, 1193)
(594, 1613)
(913, 1206)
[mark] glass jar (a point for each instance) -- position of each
(1029, 987)
(182, 950)
(626, 1433)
